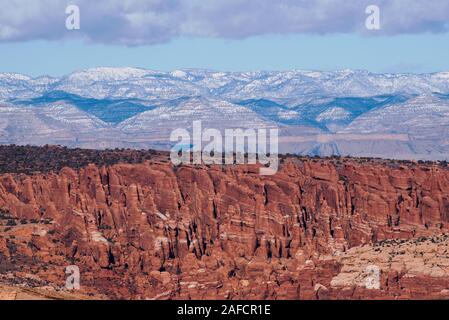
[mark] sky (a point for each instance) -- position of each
(229, 35)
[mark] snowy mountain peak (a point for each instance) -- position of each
(179, 74)
(11, 76)
(107, 74)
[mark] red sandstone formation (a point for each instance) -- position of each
(154, 231)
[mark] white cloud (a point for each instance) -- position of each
(134, 22)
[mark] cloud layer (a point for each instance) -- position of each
(140, 22)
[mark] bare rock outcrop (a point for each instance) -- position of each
(154, 231)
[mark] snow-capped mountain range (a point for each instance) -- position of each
(101, 83)
(318, 112)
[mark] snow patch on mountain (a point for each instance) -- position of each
(63, 114)
(288, 115)
(213, 114)
(333, 114)
(424, 115)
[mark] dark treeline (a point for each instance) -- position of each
(33, 159)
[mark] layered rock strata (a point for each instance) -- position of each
(155, 231)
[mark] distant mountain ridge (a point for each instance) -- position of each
(341, 112)
(145, 84)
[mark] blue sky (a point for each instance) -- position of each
(224, 35)
(407, 53)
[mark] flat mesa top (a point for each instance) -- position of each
(35, 159)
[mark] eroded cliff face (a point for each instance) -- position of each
(156, 231)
